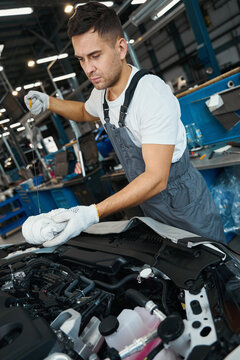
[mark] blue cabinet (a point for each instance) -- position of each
(12, 214)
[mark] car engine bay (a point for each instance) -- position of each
(79, 300)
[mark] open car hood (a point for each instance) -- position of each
(54, 300)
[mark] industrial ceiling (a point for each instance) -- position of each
(29, 37)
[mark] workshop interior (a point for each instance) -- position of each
(129, 287)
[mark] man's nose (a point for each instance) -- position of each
(89, 67)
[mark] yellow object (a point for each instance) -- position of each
(30, 103)
(97, 211)
(203, 156)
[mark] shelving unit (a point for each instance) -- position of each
(12, 215)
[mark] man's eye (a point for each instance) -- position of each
(95, 56)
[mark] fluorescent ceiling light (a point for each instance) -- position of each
(51, 58)
(2, 110)
(107, 3)
(19, 88)
(63, 77)
(28, 86)
(30, 120)
(15, 125)
(6, 133)
(136, 2)
(21, 128)
(16, 11)
(165, 7)
(1, 68)
(4, 121)
(1, 49)
(5, 128)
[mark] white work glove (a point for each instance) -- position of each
(79, 219)
(36, 101)
(40, 228)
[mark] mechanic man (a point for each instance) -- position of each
(150, 142)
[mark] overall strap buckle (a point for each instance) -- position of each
(106, 109)
(122, 115)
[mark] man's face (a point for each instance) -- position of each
(100, 59)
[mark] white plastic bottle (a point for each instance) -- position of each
(189, 136)
(130, 328)
(133, 324)
(151, 323)
(197, 134)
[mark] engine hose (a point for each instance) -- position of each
(109, 306)
(164, 295)
(119, 284)
(154, 352)
(68, 292)
(89, 287)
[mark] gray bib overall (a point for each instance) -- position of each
(186, 203)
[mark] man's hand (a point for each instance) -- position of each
(40, 228)
(78, 219)
(36, 102)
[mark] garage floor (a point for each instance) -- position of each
(17, 238)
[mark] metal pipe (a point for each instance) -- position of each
(159, 25)
(132, 52)
(3, 173)
(123, 6)
(137, 345)
(144, 11)
(3, 82)
(6, 80)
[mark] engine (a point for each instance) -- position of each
(67, 302)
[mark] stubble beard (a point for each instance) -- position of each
(111, 80)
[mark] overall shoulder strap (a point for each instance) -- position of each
(129, 94)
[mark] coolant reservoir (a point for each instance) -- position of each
(127, 327)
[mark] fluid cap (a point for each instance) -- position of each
(108, 325)
(171, 328)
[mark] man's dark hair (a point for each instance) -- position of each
(98, 17)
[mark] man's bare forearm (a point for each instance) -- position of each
(139, 190)
(73, 110)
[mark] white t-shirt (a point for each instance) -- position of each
(153, 115)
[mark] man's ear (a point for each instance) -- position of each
(122, 47)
